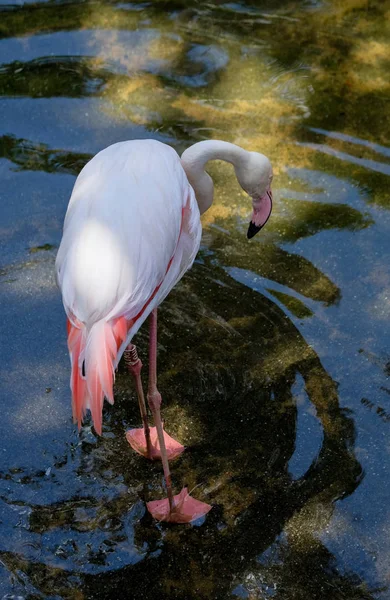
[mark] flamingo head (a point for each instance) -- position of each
(255, 177)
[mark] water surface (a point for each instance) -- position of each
(274, 362)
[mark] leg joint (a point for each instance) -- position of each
(154, 400)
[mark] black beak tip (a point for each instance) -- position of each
(252, 230)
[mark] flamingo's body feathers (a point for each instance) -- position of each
(131, 231)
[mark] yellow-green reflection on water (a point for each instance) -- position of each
(273, 354)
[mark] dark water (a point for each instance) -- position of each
(274, 357)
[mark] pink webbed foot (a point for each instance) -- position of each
(136, 439)
(186, 508)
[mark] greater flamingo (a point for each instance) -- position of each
(131, 231)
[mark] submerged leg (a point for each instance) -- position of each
(181, 508)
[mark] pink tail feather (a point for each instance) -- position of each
(97, 349)
(76, 344)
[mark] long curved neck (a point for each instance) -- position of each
(194, 160)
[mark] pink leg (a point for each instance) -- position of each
(181, 508)
(154, 401)
(172, 447)
(146, 440)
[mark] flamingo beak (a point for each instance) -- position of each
(262, 208)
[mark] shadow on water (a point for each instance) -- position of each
(271, 354)
(230, 362)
